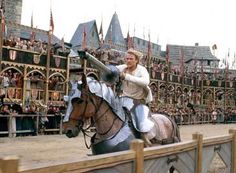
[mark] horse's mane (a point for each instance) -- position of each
(105, 92)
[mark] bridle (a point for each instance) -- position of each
(88, 97)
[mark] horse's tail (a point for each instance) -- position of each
(176, 132)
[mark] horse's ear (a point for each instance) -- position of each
(84, 81)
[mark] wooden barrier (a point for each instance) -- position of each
(193, 156)
(11, 131)
(9, 164)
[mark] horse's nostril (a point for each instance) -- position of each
(69, 134)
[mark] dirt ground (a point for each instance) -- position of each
(55, 149)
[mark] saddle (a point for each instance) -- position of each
(138, 113)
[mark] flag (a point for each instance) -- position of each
(101, 34)
(234, 61)
(84, 44)
(4, 26)
(167, 54)
(63, 44)
(149, 46)
(214, 47)
(182, 68)
(51, 28)
(144, 33)
(2, 6)
(32, 22)
(32, 34)
(110, 39)
(129, 41)
(202, 71)
(134, 29)
(3, 21)
(227, 60)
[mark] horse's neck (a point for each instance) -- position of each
(106, 122)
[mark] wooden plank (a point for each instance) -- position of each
(207, 157)
(186, 162)
(199, 138)
(137, 145)
(88, 164)
(9, 164)
(217, 140)
(156, 165)
(163, 150)
(225, 154)
(233, 132)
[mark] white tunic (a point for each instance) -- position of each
(135, 85)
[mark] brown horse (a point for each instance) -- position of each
(90, 98)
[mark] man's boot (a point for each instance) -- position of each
(147, 142)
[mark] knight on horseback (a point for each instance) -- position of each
(136, 93)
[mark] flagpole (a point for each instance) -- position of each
(167, 75)
(1, 38)
(50, 32)
(48, 66)
(2, 10)
(182, 72)
(202, 79)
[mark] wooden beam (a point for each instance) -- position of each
(137, 145)
(9, 164)
(199, 138)
(233, 132)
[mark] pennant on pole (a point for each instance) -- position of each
(149, 45)
(129, 41)
(101, 34)
(167, 54)
(32, 22)
(182, 68)
(32, 34)
(63, 44)
(84, 44)
(51, 28)
(3, 21)
(3, 6)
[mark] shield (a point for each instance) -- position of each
(57, 61)
(34, 94)
(36, 59)
(11, 92)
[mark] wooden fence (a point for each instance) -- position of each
(193, 156)
(12, 131)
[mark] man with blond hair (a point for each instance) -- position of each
(135, 79)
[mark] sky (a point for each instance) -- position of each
(181, 22)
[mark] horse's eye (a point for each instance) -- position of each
(77, 100)
(79, 87)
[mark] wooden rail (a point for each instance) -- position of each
(11, 131)
(193, 156)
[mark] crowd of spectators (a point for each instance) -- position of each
(191, 115)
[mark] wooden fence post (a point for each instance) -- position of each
(37, 124)
(137, 145)
(9, 164)
(10, 126)
(61, 122)
(233, 132)
(199, 138)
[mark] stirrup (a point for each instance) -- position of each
(147, 142)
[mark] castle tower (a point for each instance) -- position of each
(13, 9)
(114, 35)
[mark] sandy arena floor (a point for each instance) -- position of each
(54, 149)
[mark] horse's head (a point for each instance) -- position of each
(80, 107)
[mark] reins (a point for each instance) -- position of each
(97, 108)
